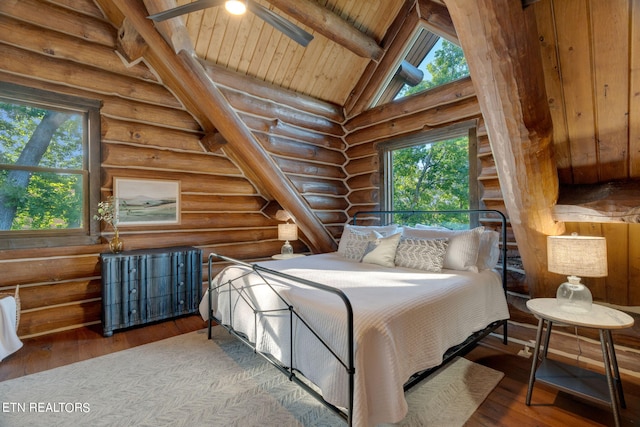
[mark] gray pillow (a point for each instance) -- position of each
(421, 254)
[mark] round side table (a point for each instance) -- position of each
(570, 378)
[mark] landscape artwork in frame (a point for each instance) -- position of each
(147, 201)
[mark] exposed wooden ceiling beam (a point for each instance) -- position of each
(616, 201)
(331, 26)
(506, 70)
(437, 19)
(371, 80)
(186, 77)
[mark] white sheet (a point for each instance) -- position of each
(9, 341)
(404, 322)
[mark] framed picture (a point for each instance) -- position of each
(147, 201)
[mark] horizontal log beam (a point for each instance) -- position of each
(376, 72)
(59, 45)
(278, 127)
(60, 19)
(90, 79)
(291, 148)
(331, 26)
(425, 100)
(260, 89)
(280, 111)
(131, 132)
(422, 120)
(617, 201)
(309, 168)
(149, 158)
(438, 20)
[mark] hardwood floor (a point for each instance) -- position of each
(505, 406)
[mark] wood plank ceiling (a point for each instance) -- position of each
(324, 69)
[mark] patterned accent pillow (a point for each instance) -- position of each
(421, 254)
(462, 250)
(353, 243)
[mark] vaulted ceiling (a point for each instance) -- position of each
(324, 69)
(356, 44)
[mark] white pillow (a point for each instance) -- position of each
(489, 250)
(421, 254)
(353, 243)
(382, 251)
(431, 227)
(385, 230)
(462, 250)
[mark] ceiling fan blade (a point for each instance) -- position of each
(289, 29)
(186, 8)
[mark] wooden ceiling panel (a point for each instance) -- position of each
(323, 69)
(589, 79)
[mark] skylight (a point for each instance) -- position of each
(439, 61)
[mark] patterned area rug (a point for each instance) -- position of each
(191, 381)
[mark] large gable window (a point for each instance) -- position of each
(428, 62)
(49, 168)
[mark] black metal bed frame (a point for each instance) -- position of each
(348, 364)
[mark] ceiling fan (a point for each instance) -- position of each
(237, 7)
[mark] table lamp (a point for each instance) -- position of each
(287, 232)
(575, 256)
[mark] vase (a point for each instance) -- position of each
(116, 245)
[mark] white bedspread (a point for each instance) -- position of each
(9, 341)
(404, 322)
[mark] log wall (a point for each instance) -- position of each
(304, 136)
(69, 48)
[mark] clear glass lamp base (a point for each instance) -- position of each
(287, 249)
(573, 296)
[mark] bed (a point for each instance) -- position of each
(358, 327)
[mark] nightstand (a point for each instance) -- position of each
(286, 256)
(572, 379)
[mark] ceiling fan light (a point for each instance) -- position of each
(235, 7)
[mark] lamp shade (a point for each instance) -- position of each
(282, 215)
(583, 256)
(287, 232)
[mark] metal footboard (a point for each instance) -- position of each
(292, 374)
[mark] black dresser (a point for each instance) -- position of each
(147, 285)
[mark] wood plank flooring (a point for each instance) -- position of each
(505, 406)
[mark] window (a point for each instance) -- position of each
(430, 61)
(430, 170)
(49, 168)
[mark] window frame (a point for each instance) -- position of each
(462, 129)
(418, 45)
(90, 108)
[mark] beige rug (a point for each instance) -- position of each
(191, 381)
